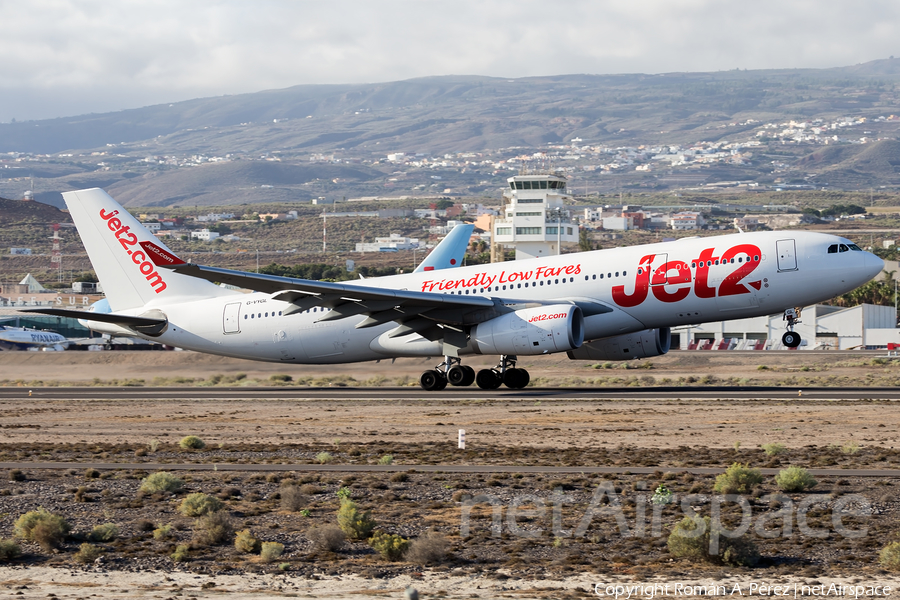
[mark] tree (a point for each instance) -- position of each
(584, 240)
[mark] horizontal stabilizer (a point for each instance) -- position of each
(146, 325)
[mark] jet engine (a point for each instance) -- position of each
(541, 330)
(641, 344)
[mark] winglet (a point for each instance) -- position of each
(160, 257)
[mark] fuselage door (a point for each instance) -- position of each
(659, 270)
(230, 321)
(787, 255)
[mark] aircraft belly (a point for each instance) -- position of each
(612, 323)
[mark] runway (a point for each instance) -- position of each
(370, 393)
(422, 468)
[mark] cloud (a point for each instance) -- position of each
(64, 57)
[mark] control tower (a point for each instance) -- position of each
(534, 219)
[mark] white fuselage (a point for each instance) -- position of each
(656, 285)
(14, 339)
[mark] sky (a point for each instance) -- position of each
(70, 57)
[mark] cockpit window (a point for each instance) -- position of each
(843, 248)
(832, 249)
(855, 248)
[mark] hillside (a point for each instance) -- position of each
(460, 136)
(441, 114)
(236, 182)
(17, 212)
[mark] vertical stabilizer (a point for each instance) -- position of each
(450, 252)
(112, 238)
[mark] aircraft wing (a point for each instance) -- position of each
(432, 315)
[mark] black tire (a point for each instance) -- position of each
(432, 381)
(488, 379)
(516, 379)
(470, 375)
(456, 376)
(791, 339)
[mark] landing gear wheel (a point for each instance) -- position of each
(432, 381)
(470, 375)
(791, 339)
(516, 379)
(457, 376)
(488, 379)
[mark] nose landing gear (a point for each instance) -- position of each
(791, 338)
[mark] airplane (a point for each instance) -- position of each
(22, 338)
(613, 304)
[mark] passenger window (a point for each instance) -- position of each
(251, 316)
(245, 317)
(756, 258)
(617, 273)
(556, 281)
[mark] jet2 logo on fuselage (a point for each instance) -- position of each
(656, 275)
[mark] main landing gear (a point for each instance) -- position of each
(791, 338)
(455, 373)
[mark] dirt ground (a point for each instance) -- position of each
(669, 434)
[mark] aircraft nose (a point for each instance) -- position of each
(872, 265)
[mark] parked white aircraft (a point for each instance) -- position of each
(20, 338)
(611, 304)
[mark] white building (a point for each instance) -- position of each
(213, 217)
(822, 327)
(686, 221)
(618, 223)
(389, 244)
(204, 235)
(152, 227)
(533, 218)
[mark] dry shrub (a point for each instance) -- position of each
(270, 551)
(310, 489)
(690, 539)
(9, 550)
(357, 524)
(737, 479)
(326, 538)
(213, 529)
(43, 527)
(87, 553)
(889, 557)
(246, 543)
(429, 548)
(292, 499)
(199, 504)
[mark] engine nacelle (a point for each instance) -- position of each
(641, 344)
(540, 330)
